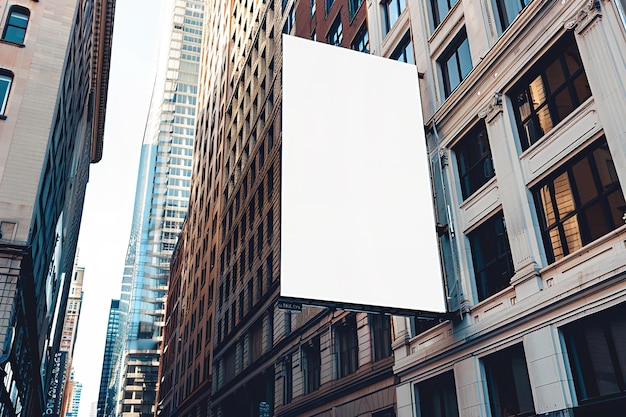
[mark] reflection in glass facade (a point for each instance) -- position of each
(161, 202)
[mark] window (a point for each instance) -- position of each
(491, 254)
(440, 9)
(508, 10)
(270, 224)
(380, 328)
(335, 33)
(269, 265)
(313, 7)
(361, 41)
(353, 7)
(437, 396)
(329, 4)
(346, 346)
(392, 9)
(288, 380)
(256, 340)
(6, 79)
(404, 50)
(312, 365)
(596, 348)
(387, 412)
(508, 384)
(549, 91)
(580, 202)
(473, 156)
(290, 22)
(15, 28)
(455, 63)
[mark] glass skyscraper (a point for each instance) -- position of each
(161, 200)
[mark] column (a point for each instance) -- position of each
(517, 203)
(601, 40)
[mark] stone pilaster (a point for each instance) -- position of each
(601, 40)
(516, 200)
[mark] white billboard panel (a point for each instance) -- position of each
(357, 217)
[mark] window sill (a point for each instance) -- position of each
(19, 45)
(3, 117)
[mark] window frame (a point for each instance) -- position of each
(500, 363)
(21, 11)
(437, 389)
(602, 195)
(404, 50)
(380, 333)
(7, 77)
(503, 14)
(436, 10)
(389, 20)
(361, 42)
(460, 39)
(335, 32)
(522, 91)
(486, 286)
(471, 152)
(346, 346)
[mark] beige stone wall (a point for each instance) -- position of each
(24, 134)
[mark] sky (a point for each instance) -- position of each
(108, 210)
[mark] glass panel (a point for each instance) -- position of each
(409, 54)
(453, 72)
(572, 59)
(5, 83)
(596, 221)
(523, 105)
(563, 195)
(537, 92)
(554, 75)
(605, 166)
(572, 234)
(545, 121)
(563, 103)
(583, 178)
(618, 207)
(548, 208)
(557, 247)
(465, 59)
(601, 360)
(581, 85)
(13, 34)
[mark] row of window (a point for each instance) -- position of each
(596, 355)
(578, 203)
(346, 351)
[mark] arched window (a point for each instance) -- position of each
(6, 78)
(15, 28)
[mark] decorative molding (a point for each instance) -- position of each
(493, 108)
(584, 17)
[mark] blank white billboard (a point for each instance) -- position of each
(357, 216)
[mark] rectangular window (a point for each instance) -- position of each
(580, 202)
(335, 33)
(313, 7)
(290, 22)
(455, 63)
(16, 24)
(508, 11)
(353, 7)
(404, 50)
(491, 254)
(473, 156)
(508, 384)
(270, 224)
(256, 340)
(346, 346)
(550, 91)
(259, 282)
(361, 41)
(440, 9)
(6, 79)
(380, 330)
(312, 365)
(329, 4)
(269, 265)
(392, 9)
(596, 348)
(288, 380)
(437, 396)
